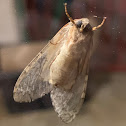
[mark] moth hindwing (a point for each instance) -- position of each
(61, 68)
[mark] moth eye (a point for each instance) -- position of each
(88, 28)
(79, 23)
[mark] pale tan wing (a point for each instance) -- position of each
(67, 103)
(33, 82)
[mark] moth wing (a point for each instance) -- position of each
(67, 103)
(33, 82)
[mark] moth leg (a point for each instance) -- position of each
(85, 83)
(85, 87)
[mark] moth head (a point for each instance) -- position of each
(83, 25)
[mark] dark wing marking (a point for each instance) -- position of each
(33, 82)
(67, 103)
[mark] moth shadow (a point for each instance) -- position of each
(96, 82)
(7, 82)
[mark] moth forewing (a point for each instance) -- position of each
(68, 96)
(64, 70)
(33, 82)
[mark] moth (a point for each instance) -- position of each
(61, 69)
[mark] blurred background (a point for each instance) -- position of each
(25, 28)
